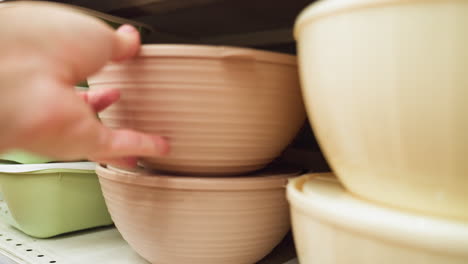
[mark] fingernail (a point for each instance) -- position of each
(126, 29)
(162, 144)
(130, 161)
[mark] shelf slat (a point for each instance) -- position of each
(92, 246)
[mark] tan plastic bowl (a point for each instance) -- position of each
(331, 226)
(386, 89)
(175, 219)
(225, 110)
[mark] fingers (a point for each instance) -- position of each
(69, 130)
(100, 100)
(127, 43)
(129, 162)
(128, 143)
(118, 142)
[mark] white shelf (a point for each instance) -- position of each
(101, 245)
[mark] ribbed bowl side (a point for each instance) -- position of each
(175, 226)
(221, 116)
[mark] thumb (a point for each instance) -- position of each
(127, 43)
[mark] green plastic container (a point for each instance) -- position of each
(18, 156)
(45, 200)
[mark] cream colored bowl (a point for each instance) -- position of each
(386, 89)
(225, 110)
(331, 226)
(208, 220)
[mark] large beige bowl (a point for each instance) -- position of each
(386, 88)
(331, 226)
(175, 219)
(225, 110)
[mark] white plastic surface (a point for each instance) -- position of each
(19, 168)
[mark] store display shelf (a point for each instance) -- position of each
(100, 245)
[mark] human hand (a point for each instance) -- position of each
(45, 50)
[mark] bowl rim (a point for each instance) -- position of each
(329, 202)
(215, 52)
(326, 8)
(268, 179)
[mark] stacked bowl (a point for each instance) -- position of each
(385, 89)
(228, 113)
